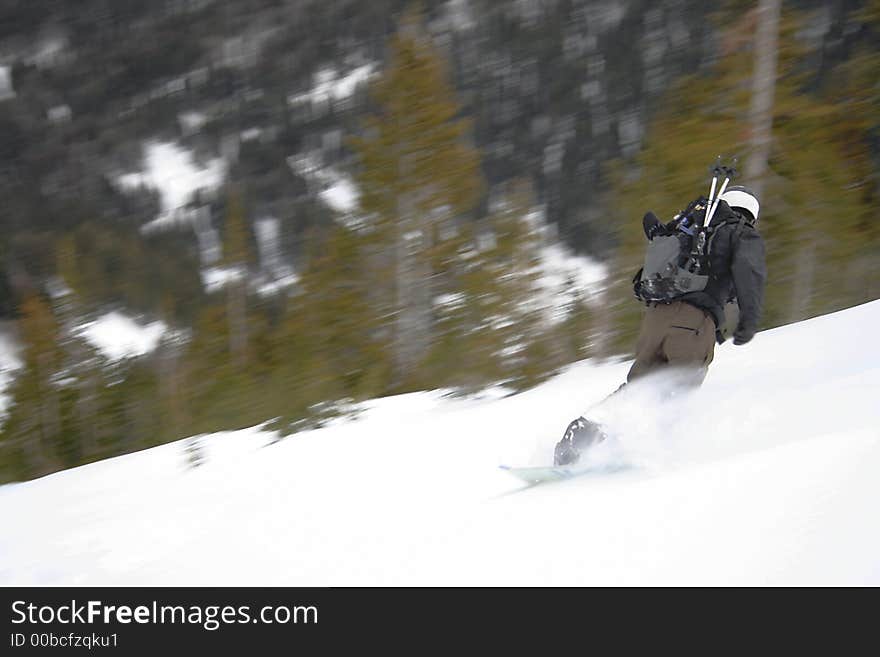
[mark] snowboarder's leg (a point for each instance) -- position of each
(582, 433)
(689, 345)
(649, 347)
(673, 336)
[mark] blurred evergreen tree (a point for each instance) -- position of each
(418, 177)
(227, 363)
(32, 438)
(237, 259)
(488, 317)
(328, 347)
(82, 363)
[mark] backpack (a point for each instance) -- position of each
(677, 257)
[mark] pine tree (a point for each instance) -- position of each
(32, 433)
(488, 317)
(82, 362)
(856, 95)
(418, 176)
(236, 259)
(171, 375)
(327, 347)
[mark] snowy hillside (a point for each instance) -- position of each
(768, 475)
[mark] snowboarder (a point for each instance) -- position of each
(704, 274)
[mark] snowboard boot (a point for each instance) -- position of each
(580, 435)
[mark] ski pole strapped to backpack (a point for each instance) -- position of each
(677, 258)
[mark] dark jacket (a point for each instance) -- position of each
(736, 270)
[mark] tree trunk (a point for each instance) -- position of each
(763, 87)
(30, 436)
(87, 416)
(412, 333)
(50, 413)
(236, 318)
(171, 390)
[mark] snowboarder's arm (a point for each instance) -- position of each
(749, 278)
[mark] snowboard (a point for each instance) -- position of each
(544, 473)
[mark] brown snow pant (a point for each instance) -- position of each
(676, 335)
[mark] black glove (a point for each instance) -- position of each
(651, 224)
(742, 336)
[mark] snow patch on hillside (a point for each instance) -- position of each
(564, 276)
(173, 172)
(10, 362)
(216, 278)
(341, 194)
(336, 189)
(118, 336)
(6, 90)
(332, 87)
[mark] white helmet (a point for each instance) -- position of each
(742, 198)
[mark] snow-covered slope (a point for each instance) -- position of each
(768, 475)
